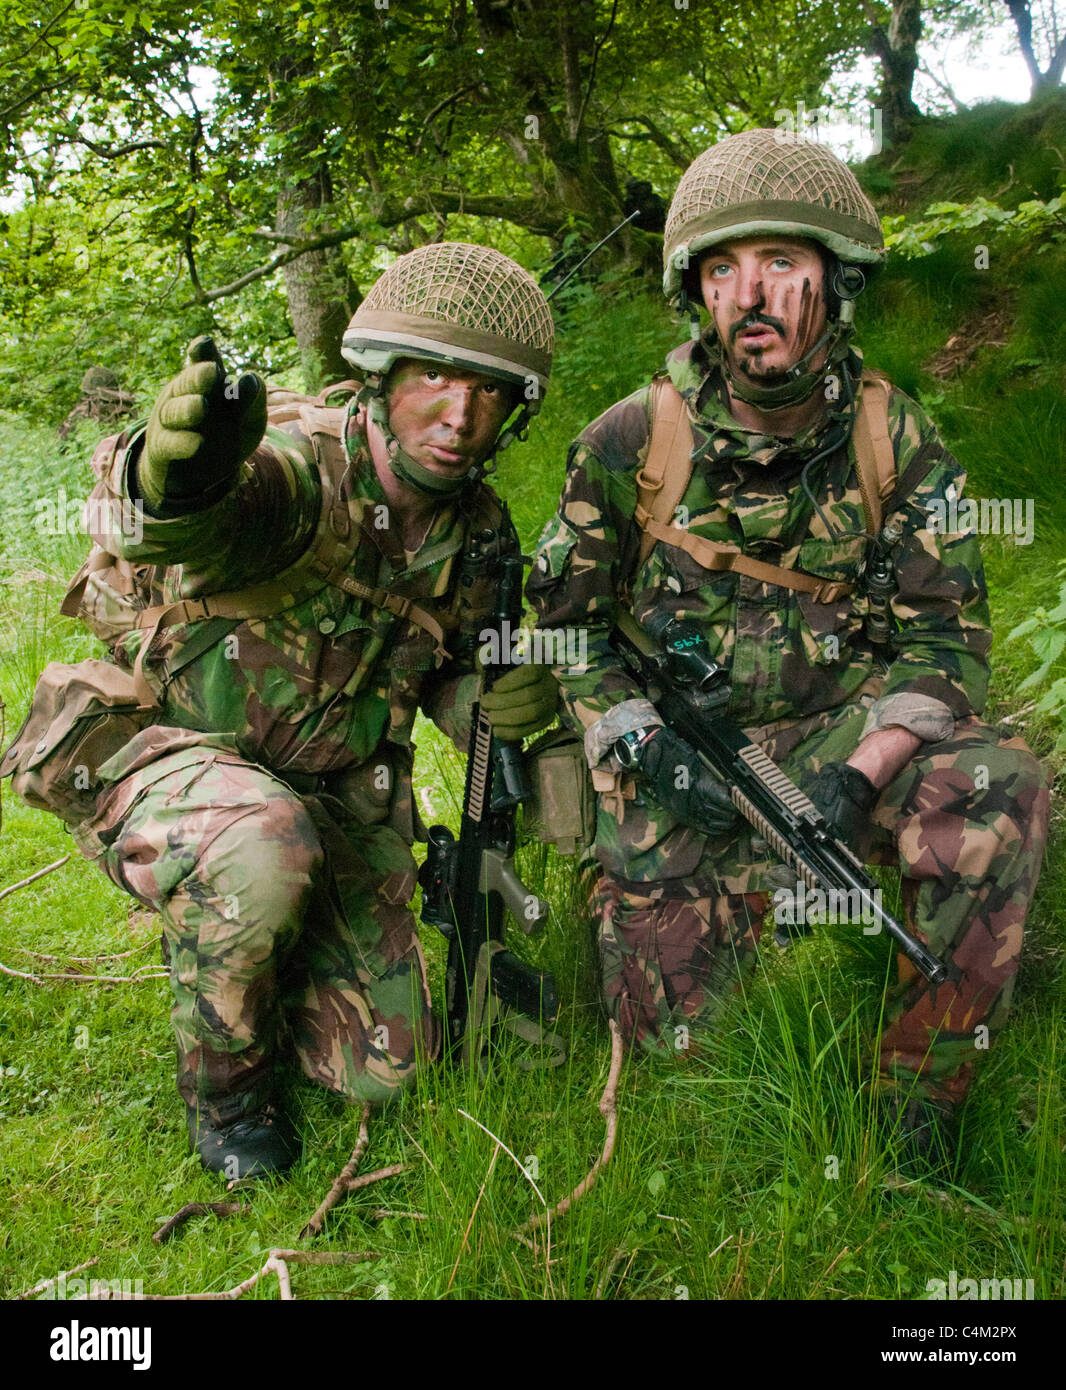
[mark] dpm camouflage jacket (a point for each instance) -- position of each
(329, 682)
(793, 661)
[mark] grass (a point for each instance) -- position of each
(750, 1169)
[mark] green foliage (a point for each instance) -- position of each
(1032, 222)
(152, 149)
(995, 149)
(1045, 632)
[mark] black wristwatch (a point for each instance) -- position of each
(629, 747)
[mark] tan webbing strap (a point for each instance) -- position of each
(662, 481)
(433, 623)
(349, 387)
(145, 695)
(261, 601)
(713, 556)
(875, 459)
(98, 560)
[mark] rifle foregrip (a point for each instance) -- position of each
(498, 876)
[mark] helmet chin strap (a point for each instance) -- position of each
(798, 383)
(403, 466)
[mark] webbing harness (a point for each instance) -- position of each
(664, 477)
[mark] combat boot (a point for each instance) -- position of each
(252, 1147)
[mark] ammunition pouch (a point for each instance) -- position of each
(80, 717)
(562, 809)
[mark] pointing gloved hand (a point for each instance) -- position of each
(200, 432)
(521, 702)
(846, 797)
(683, 785)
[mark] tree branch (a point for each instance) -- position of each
(440, 106)
(879, 44)
(121, 150)
(571, 74)
(524, 212)
(1058, 65)
(596, 51)
(1023, 22)
(25, 101)
(39, 36)
(659, 137)
(941, 84)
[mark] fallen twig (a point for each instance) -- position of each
(278, 1262)
(346, 1181)
(609, 1110)
(1017, 714)
(612, 1264)
(72, 977)
(145, 973)
(23, 882)
(86, 960)
(383, 1214)
(366, 1179)
(326, 1257)
(64, 1274)
(281, 1269)
(340, 1182)
(191, 1209)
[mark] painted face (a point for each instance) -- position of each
(446, 419)
(767, 298)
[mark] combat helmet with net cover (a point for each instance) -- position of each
(771, 183)
(467, 306)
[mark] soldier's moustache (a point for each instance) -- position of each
(756, 320)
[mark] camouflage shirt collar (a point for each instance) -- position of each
(702, 386)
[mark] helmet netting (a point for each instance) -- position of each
(473, 287)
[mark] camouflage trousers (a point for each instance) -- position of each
(966, 821)
(287, 923)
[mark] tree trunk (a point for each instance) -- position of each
(1023, 22)
(322, 296)
(898, 54)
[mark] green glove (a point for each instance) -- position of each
(201, 430)
(521, 702)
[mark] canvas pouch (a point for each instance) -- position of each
(80, 716)
(562, 809)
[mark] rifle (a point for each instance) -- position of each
(691, 691)
(469, 883)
